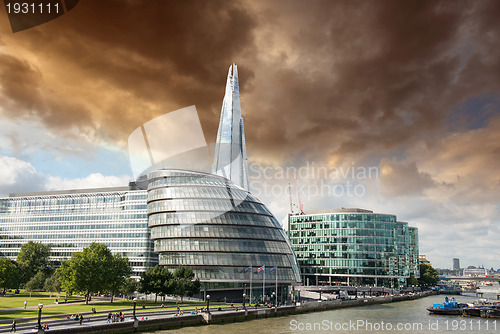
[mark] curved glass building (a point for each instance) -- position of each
(220, 230)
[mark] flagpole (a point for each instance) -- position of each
(264, 285)
(251, 271)
(276, 288)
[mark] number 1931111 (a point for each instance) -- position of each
(32, 8)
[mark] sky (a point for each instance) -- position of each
(391, 106)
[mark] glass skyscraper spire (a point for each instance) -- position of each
(230, 159)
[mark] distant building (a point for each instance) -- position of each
(353, 246)
(456, 264)
(476, 272)
(423, 260)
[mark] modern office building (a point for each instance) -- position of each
(70, 220)
(353, 246)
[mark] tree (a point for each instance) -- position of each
(157, 280)
(184, 282)
(36, 282)
(32, 258)
(53, 284)
(9, 273)
(118, 271)
(129, 286)
(91, 270)
(412, 281)
(428, 275)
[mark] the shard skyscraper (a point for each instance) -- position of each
(230, 159)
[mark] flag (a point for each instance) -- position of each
(261, 268)
(248, 269)
(273, 269)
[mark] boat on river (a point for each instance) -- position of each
(447, 308)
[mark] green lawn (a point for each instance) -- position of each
(9, 302)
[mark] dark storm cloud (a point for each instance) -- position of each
(169, 54)
(362, 76)
(383, 72)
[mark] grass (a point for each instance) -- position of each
(16, 301)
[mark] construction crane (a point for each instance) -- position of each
(290, 193)
(301, 207)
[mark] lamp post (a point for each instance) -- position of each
(208, 304)
(244, 301)
(40, 306)
(319, 293)
(135, 303)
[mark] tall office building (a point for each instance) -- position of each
(456, 264)
(354, 246)
(70, 220)
(230, 160)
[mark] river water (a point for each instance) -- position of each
(400, 317)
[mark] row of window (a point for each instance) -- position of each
(342, 240)
(341, 232)
(342, 224)
(67, 217)
(200, 192)
(189, 180)
(47, 236)
(225, 218)
(238, 273)
(221, 245)
(348, 263)
(345, 248)
(235, 259)
(371, 217)
(15, 228)
(206, 205)
(349, 271)
(215, 231)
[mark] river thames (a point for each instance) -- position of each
(408, 316)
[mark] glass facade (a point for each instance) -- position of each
(217, 228)
(230, 158)
(70, 220)
(353, 246)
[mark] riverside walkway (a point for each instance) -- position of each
(167, 318)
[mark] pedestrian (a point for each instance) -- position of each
(25, 303)
(109, 317)
(13, 327)
(81, 319)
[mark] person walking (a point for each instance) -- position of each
(109, 317)
(13, 327)
(81, 319)
(25, 304)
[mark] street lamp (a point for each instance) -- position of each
(40, 306)
(319, 293)
(244, 301)
(135, 303)
(208, 304)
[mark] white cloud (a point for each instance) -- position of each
(18, 176)
(94, 180)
